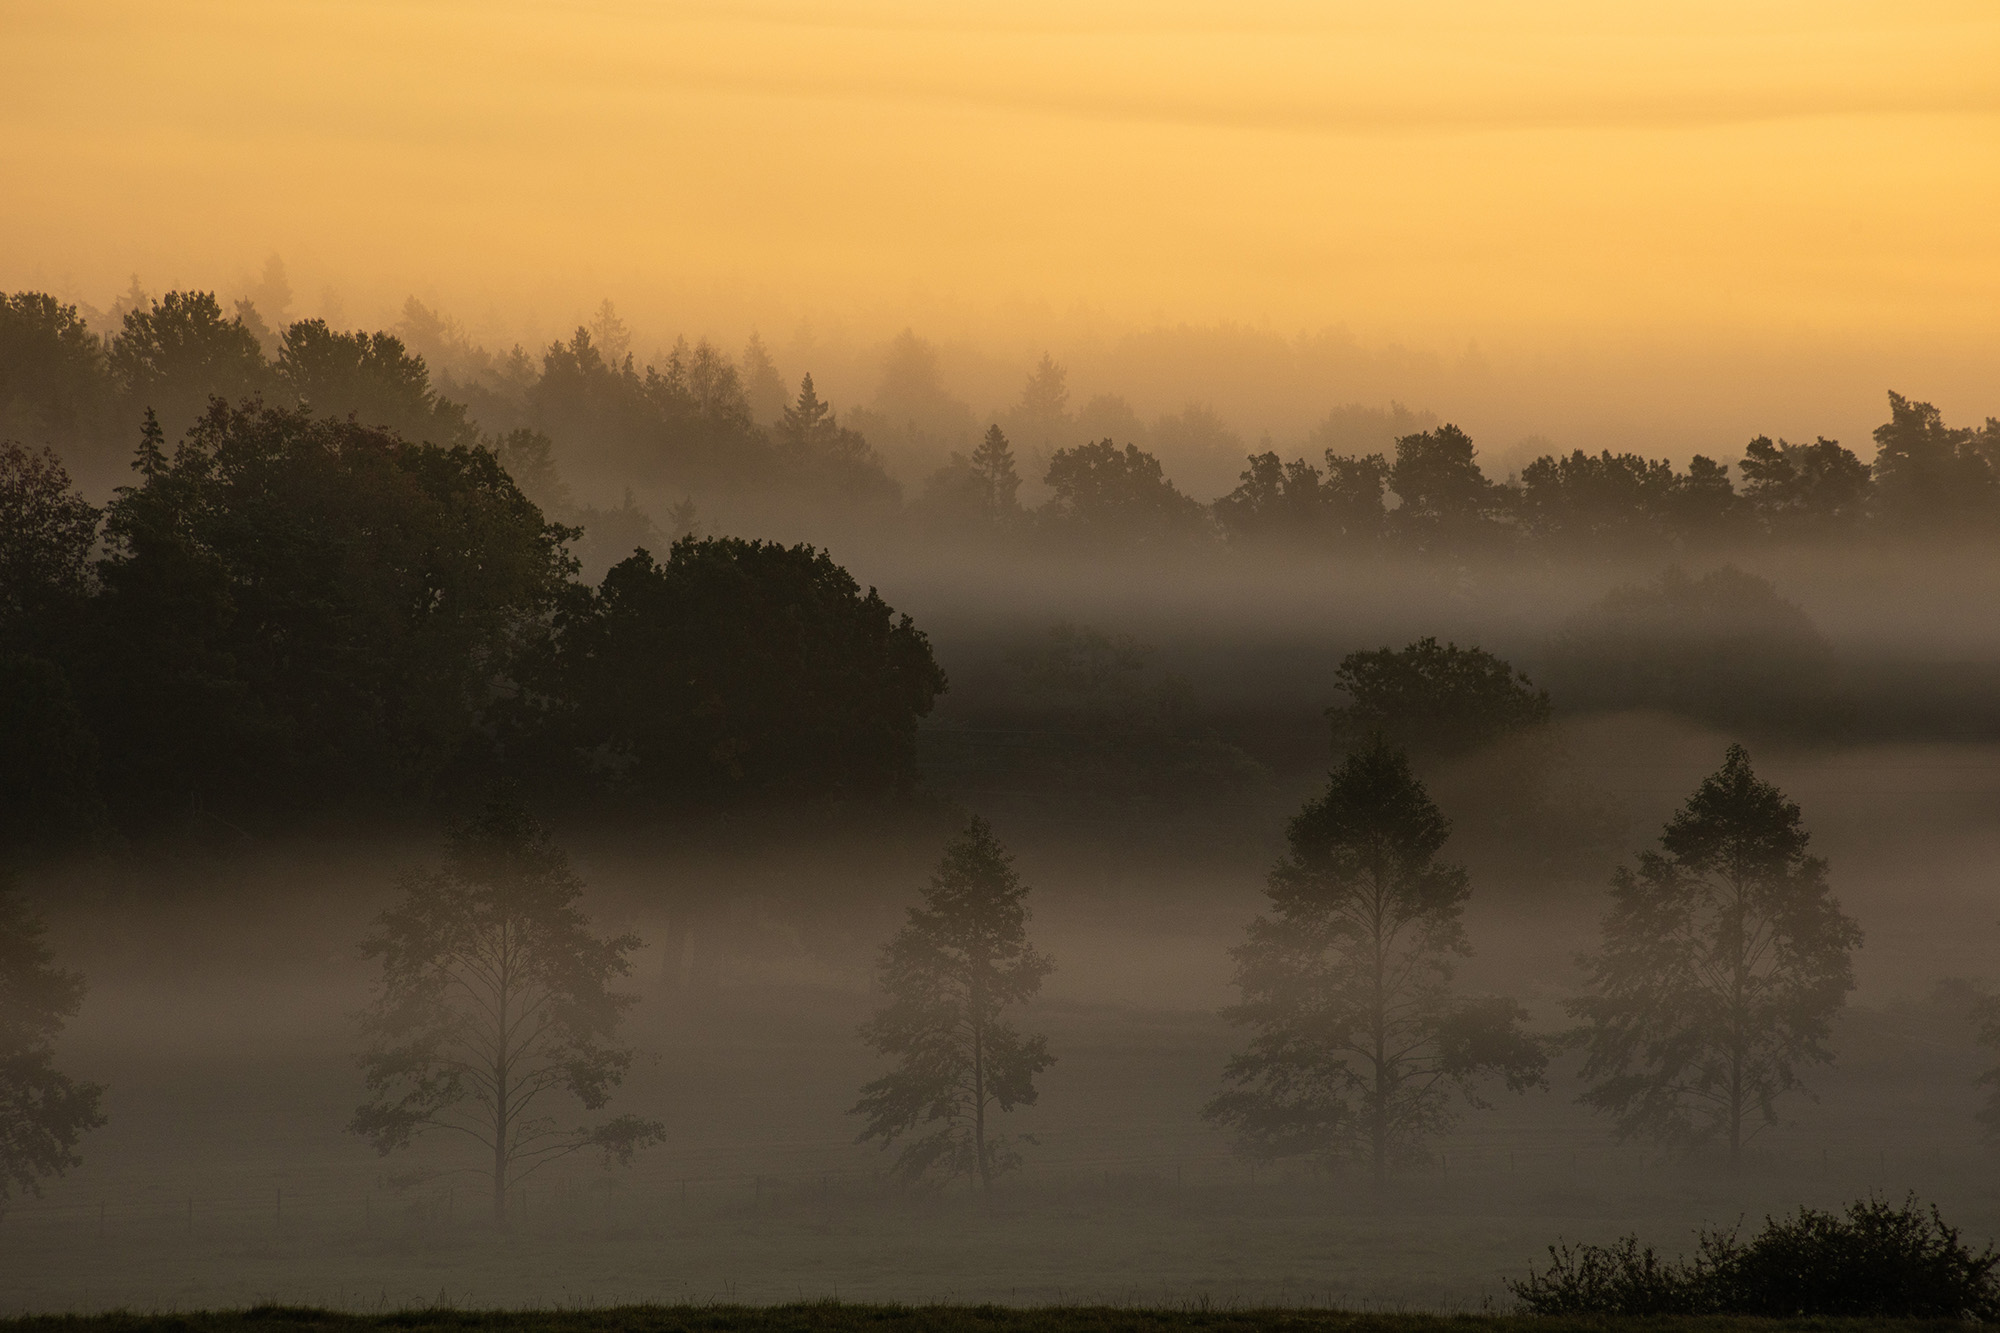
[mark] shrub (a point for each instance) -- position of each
(1876, 1260)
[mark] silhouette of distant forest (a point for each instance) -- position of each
(331, 581)
(701, 423)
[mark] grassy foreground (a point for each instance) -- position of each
(833, 1317)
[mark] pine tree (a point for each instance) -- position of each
(993, 465)
(808, 420)
(950, 973)
(1358, 1041)
(1723, 963)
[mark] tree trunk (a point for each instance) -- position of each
(501, 1091)
(1379, 1017)
(979, 1089)
(1739, 985)
(674, 949)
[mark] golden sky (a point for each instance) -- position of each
(1532, 175)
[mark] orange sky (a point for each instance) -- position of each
(1700, 182)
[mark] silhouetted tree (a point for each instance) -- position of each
(951, 973)
(1723, 963)
(1275, 502)
(741, 671)
(980, 491)
(1724, 647)
(55, 385)
(1040, 422)
(1103, 493)
(43, 1111)
(1610, 500)
(1931, 478)
(297, 609)
(1352, 496)
(495, 1000)
(176, 353)
(1358, 1041)
(47, 531)
(371, 377)
(763, 388)
(1446, 501)
(1704, 505)
(1804, 490)
(1435, 701)
(820, 451)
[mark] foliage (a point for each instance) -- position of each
(1804, 490)
(1435, 701)
(1120, 497)
(370, 377)
(44, 1113)
(950, 973)
(47, 531)
(1358, 1041)
(49, 801)
(1723, 962)
(1724, 647)
(175, 354)
(495, 996)
(1298, 503)
(297, 609)
(1093, 727)
(54, 382)
(1875, 1260)
(976, 492)
(1931, 478)
(738, 670)
(1447, 503)
(1610, 499)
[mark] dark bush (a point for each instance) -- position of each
(1876, 1260)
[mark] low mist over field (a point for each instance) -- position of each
(1124, 655)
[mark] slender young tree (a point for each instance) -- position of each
(43, 1111)
(1359, 1044)
(950, 973)
(1723, 962)
(495, 1000)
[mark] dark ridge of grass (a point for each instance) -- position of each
(835, 1317)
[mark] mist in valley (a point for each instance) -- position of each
(1046, 655)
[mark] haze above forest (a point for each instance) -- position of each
(1661, 231)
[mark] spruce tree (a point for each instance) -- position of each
(1724, 960)
(951, 972)
(1359, 1046)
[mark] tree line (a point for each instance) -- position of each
(287, 616)
(703, 423)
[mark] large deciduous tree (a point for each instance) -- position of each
(1446, 502)
(496, 1001)
(742, 671)
(304, 610)
(1359, 1045)
(1105, 494)
(1435, 700)
(174, 354)
(43, 1111)
(951, 972)
(1724, 960)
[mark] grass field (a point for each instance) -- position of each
(835, 1317)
